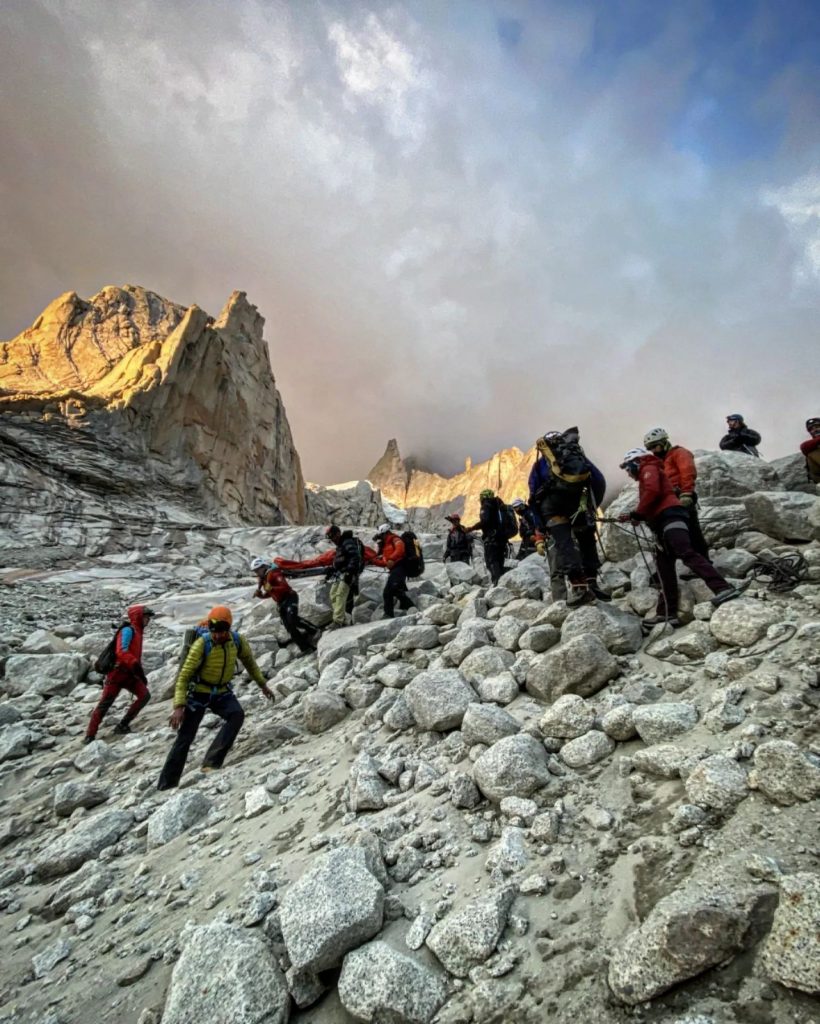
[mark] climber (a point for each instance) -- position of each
(495, 532)
(528, 530)
(565, 490)
(662, 511)
(739, 438)
(681, 472)
(811, 449)
(459, 544)
(391, 555)
(272, 583)
(203, 684)
(127, 674)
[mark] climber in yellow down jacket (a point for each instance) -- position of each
(203, 684)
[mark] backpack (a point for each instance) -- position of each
(357, 563)
(567, 461)
(191, 635)
(107, 658)
(508, 521)
(413, 555)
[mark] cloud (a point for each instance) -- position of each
(465, 223)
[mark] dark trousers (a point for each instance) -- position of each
(695, 532)
(495, 552)
(459, 556)
(576, 554)
(525, 548)
(674, 542)
(302, 632)
(110, 692)
(228, 708)
(396, 590)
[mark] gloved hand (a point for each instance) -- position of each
(629, 517)
(687, 499)
(541, 548)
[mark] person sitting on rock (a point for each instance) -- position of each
(127, 674)
(459, 544)
(272, 583)
(391, 556)
(681, 472)
(739, 437)
(565, 489)
(528, 530)
(660, 508)
(811, 449)
(491, 525)
(203, 684)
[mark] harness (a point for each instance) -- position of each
(196, 680)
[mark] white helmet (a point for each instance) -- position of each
(259, 563)
(655, 436)
(519, 503)
(383, 529)
(633, 455)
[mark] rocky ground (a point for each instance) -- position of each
(494, 809)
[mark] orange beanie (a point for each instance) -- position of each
(220, 614)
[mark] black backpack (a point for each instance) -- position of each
(413, 555)
(568, 463)
(508, 521)
(107, 658)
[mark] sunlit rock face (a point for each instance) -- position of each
(130, 407)
(418, 491)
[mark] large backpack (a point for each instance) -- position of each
(567, 461)
(190, 636)
(107, 658)
(413, 555)
(508, 521)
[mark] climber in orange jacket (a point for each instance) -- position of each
(391, 556)
(681, 472)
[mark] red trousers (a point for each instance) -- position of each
(113, 684)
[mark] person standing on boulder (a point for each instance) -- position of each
(391, 556)
(659, 507)
(681, 472)
(127, 674)
(528, 530)
(811, 450)
(272, 583)
(739, 437)
(203, 684)
(491, 525)
(459, 544)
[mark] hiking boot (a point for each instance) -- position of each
(656, 620)
(726, 595)
(579, 593)
(88, 739)
(122, 729)
(596, 591)
(206, 768)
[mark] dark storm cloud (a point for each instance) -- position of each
(465, 223)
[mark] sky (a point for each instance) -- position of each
(466, 222)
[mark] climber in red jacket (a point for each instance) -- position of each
(127, 674)
(660, 508)
(811, 450)
(272, 583)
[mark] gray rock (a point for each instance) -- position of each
(413, 638)
(687, 932)
(92, 879)
(666, 760)
(399, 716)
(786, 515)
(509, 855)
(334, 907)
(507, 632)
(619, 630)
(94, 756)
(220, 958)
(733, 562)
(43, 642)
(380, 985)
(569, 717)
(501, 689)
(582, 666)
(179, 812)
(742, 622)
(396, 674)
(474, 634)
(539, 638)
(619, 722)
(360, 694)
(367, 789)
(463, 791)
(15, 742)
(46, 674)
(733, 474)
(784, 774)
(484, 662)
(46, 961)
(258, 800)
(515, 766)
(466, 937)
(486, 723)
(438, 699)
(588, 749)
(82, 843)
(9, 714)
(658, 723)
(322, 709)
(718, 783)
(68, 796)
(791, 953)
(343, 643)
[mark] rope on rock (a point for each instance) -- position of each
(784, 572)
